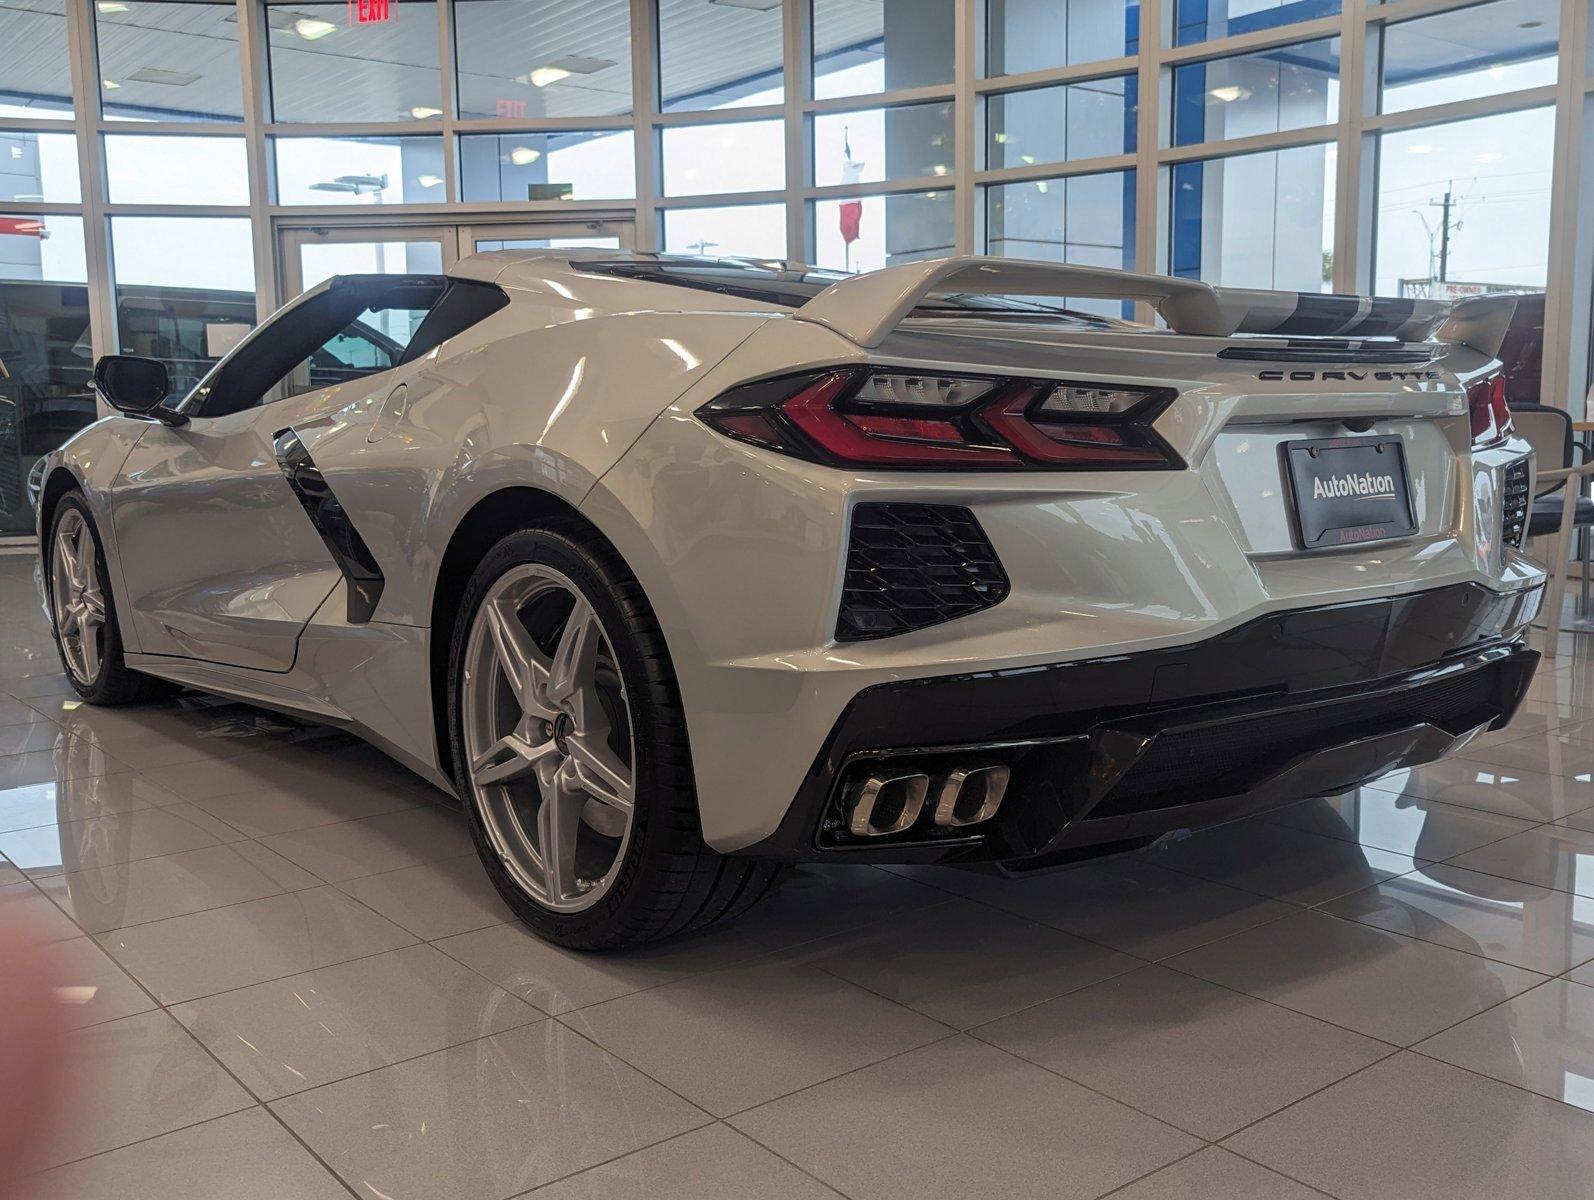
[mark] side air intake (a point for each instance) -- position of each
(910, 566)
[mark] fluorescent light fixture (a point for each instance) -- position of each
(111, 6)
(422, 113)
(543, 76)
(524, 156)
(563, 68)
(1027, 159)
(940, 169)
(1001, 139)
(1229, 93)
(109, 85)
(312, 28)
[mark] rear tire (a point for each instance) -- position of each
(83, 620)
(599, 727)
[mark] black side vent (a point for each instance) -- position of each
(914, 565)
(1514, 503)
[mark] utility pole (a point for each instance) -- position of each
(1444, 233)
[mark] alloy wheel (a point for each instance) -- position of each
(77, 597)
(546, 729)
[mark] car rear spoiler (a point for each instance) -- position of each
(865, 308)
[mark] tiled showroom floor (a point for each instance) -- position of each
(291, 980)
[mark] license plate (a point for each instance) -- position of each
(1349, 490)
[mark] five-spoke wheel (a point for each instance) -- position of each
(548, 737)
(77, 597)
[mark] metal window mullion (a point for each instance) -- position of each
(645, 137)
(1247, 43)
(1570, 271)
(1288, 139)
(931, 93)
(262, 173)
(1464, 110)
(449, 100)
(964, 37)
(91, 177)
(1150, 127)
(798, 74)
(1407, 10)
(1029, 81)
(721, 116)
(1355, 176)
(1100, 165)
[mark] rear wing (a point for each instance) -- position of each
(865, 308)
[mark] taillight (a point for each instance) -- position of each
(857, 416)
(1487, 409)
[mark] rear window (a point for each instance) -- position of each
(792, 287)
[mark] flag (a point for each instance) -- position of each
(851, 210)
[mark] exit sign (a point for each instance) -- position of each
(370, 12)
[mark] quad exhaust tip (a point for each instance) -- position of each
(893, 803)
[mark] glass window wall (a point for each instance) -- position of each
(882, 231)
(741, 230)
(1270, 91)
(563, 165)
(1059, 124)
(746, 156)
(182, 308)
(523, 59)
(872, 145)
(1255, 220)
(332, 62)
(1465, 207)
(363, 170)
(39, 168)
(35, 80)
(863, 46)
(714, 54)
(164, 60)
(141, 169)
(46, 355)
(1033, 35)
(1485, 50)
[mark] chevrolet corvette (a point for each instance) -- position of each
(675, 570)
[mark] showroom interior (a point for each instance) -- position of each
(281, 969)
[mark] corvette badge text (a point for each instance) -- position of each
(1365, 486)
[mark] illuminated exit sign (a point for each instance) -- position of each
(370, 12)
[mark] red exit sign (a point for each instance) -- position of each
(370, 12)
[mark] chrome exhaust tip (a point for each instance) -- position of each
(970, 795)
(888, 804)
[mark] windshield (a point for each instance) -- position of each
(792, 286)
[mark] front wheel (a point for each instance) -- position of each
(83, 614)
(570, 746)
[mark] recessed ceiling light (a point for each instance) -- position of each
(109, 85)
(163, 76)
(1229, 93)
(543, 76)
(422, 113)
(311, 28)
(111, 6)
(1027, 159)
(941, 169)
(1001, 139)
(1420, 148)
(1042, 186)
(524, 156)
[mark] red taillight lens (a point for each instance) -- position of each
(860, 417)
(1486, 406)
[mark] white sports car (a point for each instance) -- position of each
(679, 569)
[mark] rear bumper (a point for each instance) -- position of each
(1110, 753)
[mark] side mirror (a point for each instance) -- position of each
(130, 384)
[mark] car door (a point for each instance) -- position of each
(229, 539)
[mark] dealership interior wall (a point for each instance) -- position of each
(171, 171)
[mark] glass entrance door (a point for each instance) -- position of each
(311, 256)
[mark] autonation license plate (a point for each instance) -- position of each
(1349, 490)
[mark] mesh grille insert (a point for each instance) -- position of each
(1514, 503)
(914, 565)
